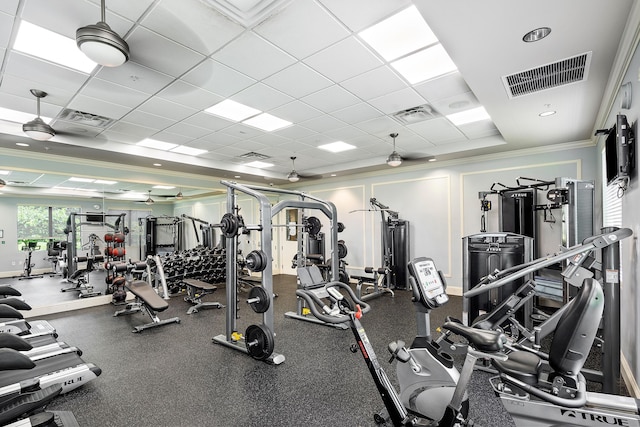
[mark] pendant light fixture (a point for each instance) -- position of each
(394, 158)
(37, 129)
(293, 175)
(179, 196)
(149, 200)
(101, 44)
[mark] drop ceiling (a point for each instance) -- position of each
(303, 61)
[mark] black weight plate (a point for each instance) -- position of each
(313, 225)
(264, 301)
(342, 249)
(340, 227)
(260, 342)
(229, 225)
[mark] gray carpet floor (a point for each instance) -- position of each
(175, 375)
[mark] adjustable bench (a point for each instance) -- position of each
(147, 300)
(196, 289)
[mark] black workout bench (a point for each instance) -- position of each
(148, 300)
(196, 289)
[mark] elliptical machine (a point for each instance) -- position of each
(432, 389)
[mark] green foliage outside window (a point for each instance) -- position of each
(34, 224)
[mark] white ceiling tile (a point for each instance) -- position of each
(217, 139)
(186, 130)
(379, 126)
(208, 121)
(171, 110)
(241, 131)
(443, 87)
(357, 113)
(479, 129)
(374, 83)
(41, 71)
(323, 124)
(135, 131)
(198, 26)
(125, 137)
(270, 139)
(262, 97)
(160, 53)
(189, 95)
(309, 28)
(437, 131)
(28, 105)
(6, 26)
(345, 133)
(360, 14)
(343, 60)
(2, 56)
(398, 101)
(111, 92)
(135, 76)
(173, 138)
(9, 6)
(217, 78)
(296, 132)
(298, 80)
(128, 9)
(456, 103)
(253, 56)
(331, 99)
(152, 121)
(99, 107)
(21, 87)
(296, 112)
(251, 145)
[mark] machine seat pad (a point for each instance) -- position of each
(8, 340)
(13, 359)
(200, 284)
(9, 291)
(16, 303)
(146, 293)
(8, 312)
(483, 340)
(521, 365)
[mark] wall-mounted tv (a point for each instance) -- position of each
(619, 151)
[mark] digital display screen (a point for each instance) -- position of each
(429, 279)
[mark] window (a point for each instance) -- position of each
(611, 200)
(37, 225)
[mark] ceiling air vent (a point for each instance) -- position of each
(254, 156)
(82, 118)
(564, 72)
(415, 114)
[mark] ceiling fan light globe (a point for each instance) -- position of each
(293, 176)
(102, 45)
(37, 129)
(394, 159)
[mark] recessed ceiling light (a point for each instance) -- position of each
(432, 159)
(45, 44)
(400, 34)
(236, 176)
(267, 122)
(182, 149)
(163, 187)
(232, 110)
(337, 147)
(157, 164)
(424, 65)
(79, 179)
(547, 113)
(22, 144)
(158, 145)
(333, 174)
(259, 164)
(536, 35)
(5, 172)
(469, 116)
(104, 182)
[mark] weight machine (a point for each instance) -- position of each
(258, 340)
(162, 235)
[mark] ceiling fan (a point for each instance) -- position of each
(395, 159)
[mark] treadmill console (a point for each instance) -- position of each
(428, 286)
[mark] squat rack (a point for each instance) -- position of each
(262, 335)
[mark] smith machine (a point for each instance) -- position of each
(258, 340)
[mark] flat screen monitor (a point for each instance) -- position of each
(95, 217)
(619, 151)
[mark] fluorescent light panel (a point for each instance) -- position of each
(259, 164)
(400, 34)
(267, 122)
(158, 145)
(44, 44)
(5, 172)
(163, 187)
(424, 65)
(232, 110)
(104, 182)
(182, 149)
(469, 116)
(79, 179)
(337, 147)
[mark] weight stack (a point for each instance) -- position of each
(482, 255)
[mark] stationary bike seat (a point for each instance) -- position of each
(481, 339)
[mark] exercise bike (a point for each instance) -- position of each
(432, 390)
